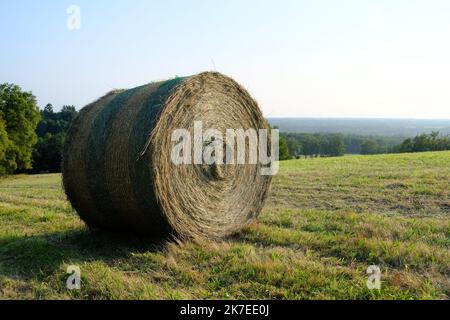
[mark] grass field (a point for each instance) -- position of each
(325, 222)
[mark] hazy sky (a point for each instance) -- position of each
(297, 58)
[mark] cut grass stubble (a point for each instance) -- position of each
(326, 221)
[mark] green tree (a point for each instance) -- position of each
(5, 147)
(47, 153)
(370, 146)
(67, 114)
(406, 146)
(422, 143)
(20, 115)
(294, 146)
(283, 149)
(443, 143)
(311, 145)
(335, 146)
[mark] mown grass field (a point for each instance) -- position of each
(325, 222)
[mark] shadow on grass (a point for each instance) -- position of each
(38, 255)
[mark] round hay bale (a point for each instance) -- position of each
(117, 168)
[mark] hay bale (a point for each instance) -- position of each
(117, 170)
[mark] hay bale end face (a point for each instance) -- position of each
(117, 168)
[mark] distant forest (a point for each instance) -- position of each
(405, 128)
(328, 137)
(296, 145)
(335, 144)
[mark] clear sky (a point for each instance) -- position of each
(355, 58)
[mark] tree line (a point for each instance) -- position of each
(425, 142)
(51, 133)
(31, 140)
(297, 145)
(420, 143)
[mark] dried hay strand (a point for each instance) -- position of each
(117, 168)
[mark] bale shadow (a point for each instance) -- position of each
(36, 256)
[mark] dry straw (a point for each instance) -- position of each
(117, 170)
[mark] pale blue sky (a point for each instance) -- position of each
(298, 58)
